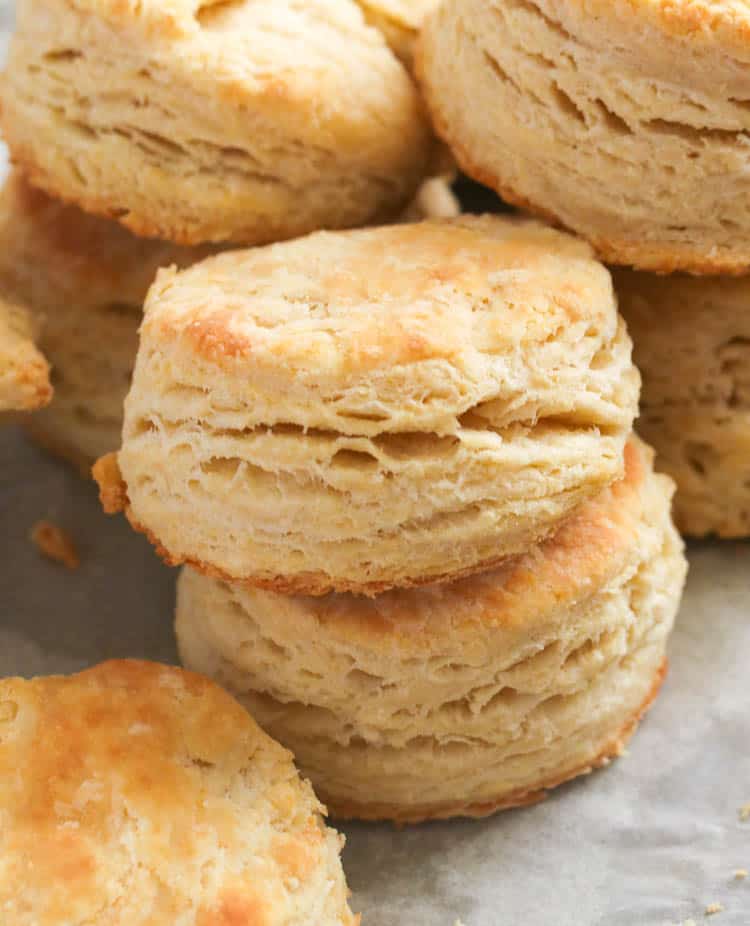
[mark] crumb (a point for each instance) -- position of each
(458, 923)
(740, 874)
(714, 908)
(53, 542)
(745, 812)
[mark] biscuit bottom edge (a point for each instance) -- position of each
(657, 256)
(399, 815)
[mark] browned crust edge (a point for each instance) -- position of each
(182, 234)
(32, 381)
(630, 253)
(113, 494)
(350, 810)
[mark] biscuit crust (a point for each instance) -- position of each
(24, 372)
(135, 793)
(362, 410)
(83, 280)
(692, 340)
(610, 140)
(464, 697)
(397, 814)
(245, 122)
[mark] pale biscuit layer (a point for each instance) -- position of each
(134, 794)
(627, 122)
(83, 280)
(24, 373)
(196, 121)
(361, 410)
(465, 697)
(692, 344)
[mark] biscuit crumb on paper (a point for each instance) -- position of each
(713, 908)
(53, 542)
(740, 874)
(744, 812)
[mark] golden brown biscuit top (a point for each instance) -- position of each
(588, 551)
(139, 793)
(249, 39)
(701, 22)
(352, 303)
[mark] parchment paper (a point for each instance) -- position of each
(652, 840)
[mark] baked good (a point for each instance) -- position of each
(83, 279)
(202, 121)
(626, 122)
(24, 373)
(135, 793)
(399, 21)
(361, 410)
(467, 697)
(692, 344)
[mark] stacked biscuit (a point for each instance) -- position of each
(422, 544)
(202, 126)
(628, 123)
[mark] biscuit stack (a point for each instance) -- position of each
(421, 542)
(628, 123)
(199, 127)
(424, 548)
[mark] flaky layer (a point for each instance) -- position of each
(378, 408)
(201, 121)
(139, 794)
(692, 340)
(474, 694)
(627, 123)
(24, 372)
(83, 279)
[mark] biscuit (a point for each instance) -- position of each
(135, 793)
(692, 344)
(626, 122)
(468, 697)
(84, 279)
(242, 121)
(358, 410)
(399, 21)
(24, 373)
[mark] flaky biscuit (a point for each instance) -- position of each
(692, 344)
(197, 120)
(24, 373)
(136, 794)
(466, 697)
(359, 410)
(83, 279)
(624, 121)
